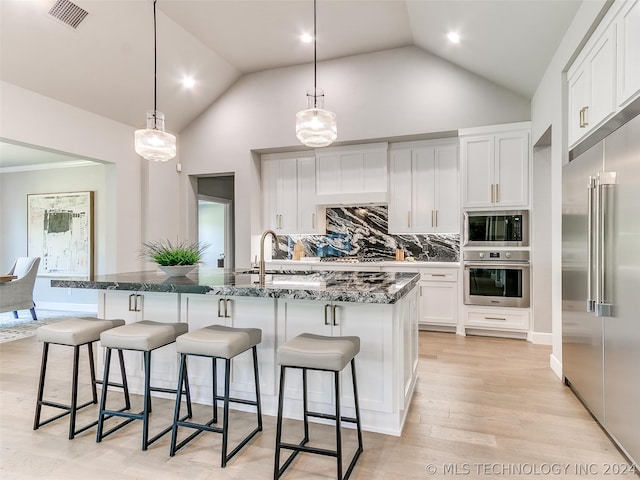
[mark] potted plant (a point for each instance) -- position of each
(175, 259)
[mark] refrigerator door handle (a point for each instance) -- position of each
(606, 181)
(591, 303)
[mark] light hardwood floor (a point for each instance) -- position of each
(484, 407)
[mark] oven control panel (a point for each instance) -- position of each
(496, 256)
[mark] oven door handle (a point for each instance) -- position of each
(496, 265)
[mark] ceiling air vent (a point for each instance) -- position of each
(68, 13)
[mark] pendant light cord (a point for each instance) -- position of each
(155, 67)
(315, 61)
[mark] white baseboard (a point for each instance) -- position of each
(540, 338)
(71, 307)
(555, 365)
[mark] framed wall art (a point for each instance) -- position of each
(60, 232)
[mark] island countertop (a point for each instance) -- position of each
(341, 286)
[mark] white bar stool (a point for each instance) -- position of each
(317, 352)
(145, 336)
(225, 343)
(74, 332)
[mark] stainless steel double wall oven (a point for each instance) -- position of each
(498, 276)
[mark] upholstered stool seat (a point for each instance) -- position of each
(144, 336)
(218, 341)
(317, 352)
(73, 332)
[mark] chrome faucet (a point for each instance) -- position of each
(264, 236)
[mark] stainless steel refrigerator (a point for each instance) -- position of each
(601, 280)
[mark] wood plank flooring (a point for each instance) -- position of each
(484, 407)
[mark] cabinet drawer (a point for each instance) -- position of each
(439, 275)
(498, 320)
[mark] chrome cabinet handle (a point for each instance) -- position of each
(326, 316)
(131, 309)
(496, 318)
(226, 303)
(436, 218)
(335, 317)
(585, 118)
(492, 193)
(581, 118)
(497, 193)
(220, 300)
(139, 309)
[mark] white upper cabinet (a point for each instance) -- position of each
(628, 52)
(352, 174)
(288, 194)
(495, 166)
(592, 87)
(605, 76)
(423, 188)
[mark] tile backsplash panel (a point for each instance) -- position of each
(362, 231)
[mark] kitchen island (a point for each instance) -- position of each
(380, 308)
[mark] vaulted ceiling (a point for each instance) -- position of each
(105, 65)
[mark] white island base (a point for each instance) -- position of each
(386, 366)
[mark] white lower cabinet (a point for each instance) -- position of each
(238, 312)
(135, 307)
(385, 367)
(497, 319)
(439, 297)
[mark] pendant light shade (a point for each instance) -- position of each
(315, 126)
(153, 143)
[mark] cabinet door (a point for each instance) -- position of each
(439, 303)
(478, 175)
(423, 212)
(400, 191)
(270, 214)
(305, 316)
(602, 68)
(628, 52)
(328, 174)
(512, 169)
(578, 102)
(307, 215)
(287, 192)
(445, 188)
(374, 363)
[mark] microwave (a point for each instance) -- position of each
(509, 228)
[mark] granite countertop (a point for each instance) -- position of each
(343, 286)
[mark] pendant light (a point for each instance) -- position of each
(153, 143)
(315, 126)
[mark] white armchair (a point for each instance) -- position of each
(18, 294)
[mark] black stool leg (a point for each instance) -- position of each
(305, 406)
(176, 411)
(92, 372)
(147, 400)
(43, 372)
(225, 418)
(125, 385)
(103, 396)
(74, 393)
(214, 380)
(276, 468)
(257, 379)
(336, 377)
(357, 403)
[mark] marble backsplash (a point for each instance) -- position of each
(362, 232)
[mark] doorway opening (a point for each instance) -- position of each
(216, 221)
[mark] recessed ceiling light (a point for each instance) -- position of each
(188, 82)
(453, 37)
(306, 38)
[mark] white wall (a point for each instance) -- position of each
(14, 188)
(142, 199)
(548, 108)
(380, 95)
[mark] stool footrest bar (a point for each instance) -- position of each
(304, 448)
(329, 416)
